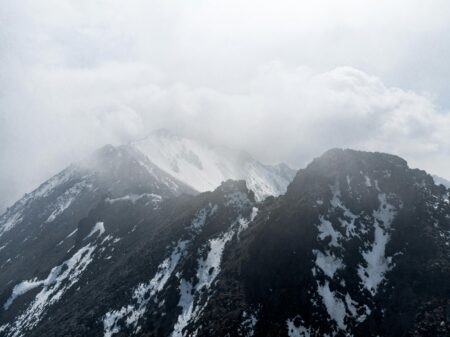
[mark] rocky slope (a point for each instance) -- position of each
(358, 246)
(37, 231)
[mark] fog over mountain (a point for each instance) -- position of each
(281, 80)
(240, 168)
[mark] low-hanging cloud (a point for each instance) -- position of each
(66, 91)
(284, 114)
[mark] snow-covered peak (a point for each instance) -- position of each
(204, 167)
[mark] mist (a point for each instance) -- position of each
(283, 81)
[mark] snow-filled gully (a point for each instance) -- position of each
(341, 307)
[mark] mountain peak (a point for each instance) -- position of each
(358, 173)
(349, 157)
(204, 166)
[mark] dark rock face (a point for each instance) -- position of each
(361, 240)
(358, 246)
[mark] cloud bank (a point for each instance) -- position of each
(264, 77)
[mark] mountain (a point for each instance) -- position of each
(359, 245)
(441, 181)
(37, 231)
(204, 167)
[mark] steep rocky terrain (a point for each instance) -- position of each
(37, 231)
(359, 245)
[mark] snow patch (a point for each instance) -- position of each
(13, 216)
(129, 315)
(59, 280)
(186, 303)
(207, 271)
(297, 331)
(66, 199)
(254, 213)
(72, 233)
(376, 263)
(155, 199)
(248, 323)
(10, 222)
(106, 239)
(243, 223)
(326, 230)
(98, 228)
(335, 307)
(20, 289)
(348, 221)
(209, 268)
(327, 262)
(351, 306)
(367, 181)
(266, 180)
(199, 219)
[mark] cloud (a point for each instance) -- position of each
(284, 115)
(295, 114)
(262, 76)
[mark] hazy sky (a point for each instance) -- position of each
(284, 80)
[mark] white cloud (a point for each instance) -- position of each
(79, 74)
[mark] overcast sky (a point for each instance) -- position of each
(284, 80)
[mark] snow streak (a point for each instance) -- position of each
(59, 280)
(144, 292)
